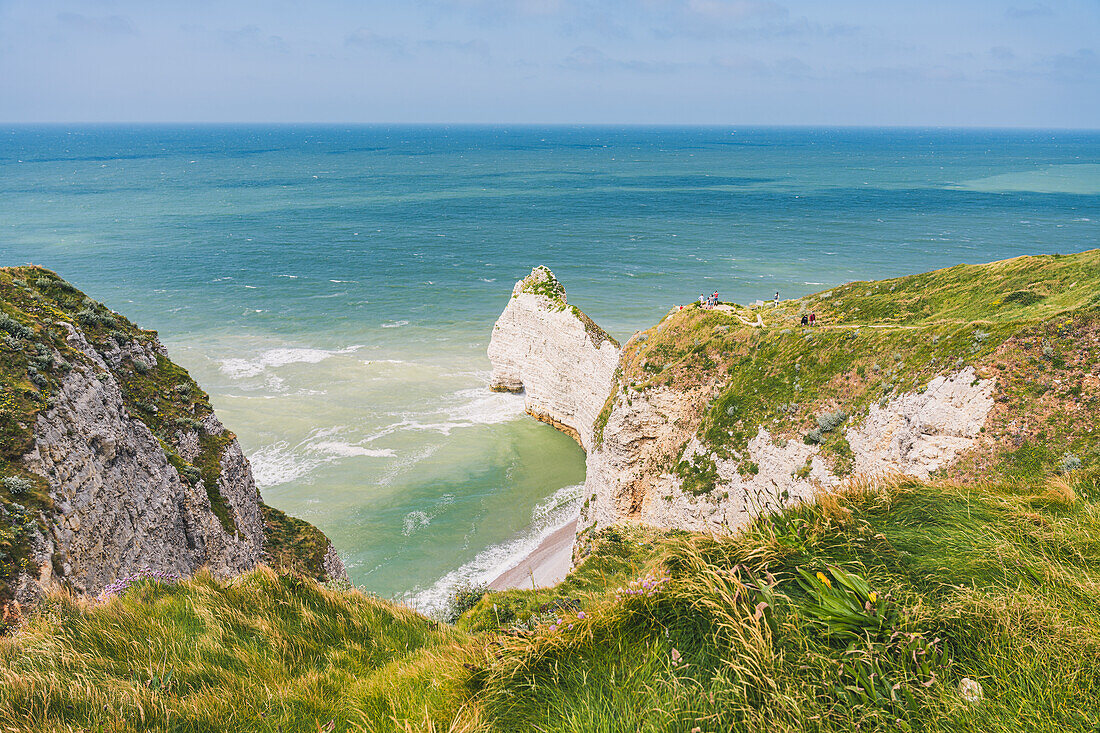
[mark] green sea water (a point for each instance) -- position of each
(334, 288)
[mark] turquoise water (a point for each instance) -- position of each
(334, 288)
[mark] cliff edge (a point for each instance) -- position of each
(556, 355)
(713, 417)
(112, 461)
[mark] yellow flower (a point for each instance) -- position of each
(873, 597)
(823, 579)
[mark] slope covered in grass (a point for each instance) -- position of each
(864, 609)
(1030, 322)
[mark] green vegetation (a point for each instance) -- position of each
(967, 602)
(864, 610)
(542, 282)
(294, 545)
(876, 340)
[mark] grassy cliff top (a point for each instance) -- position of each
(542, 282)
(1029, 321)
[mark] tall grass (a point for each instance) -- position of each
(862, 611)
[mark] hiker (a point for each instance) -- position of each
(702, 301)
(776, 298)
(813, 318)
(805, 319)
(714, 298)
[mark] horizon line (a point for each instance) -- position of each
(651, 125)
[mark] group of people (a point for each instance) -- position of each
(705, 302)
(809, 320)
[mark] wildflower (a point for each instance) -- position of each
(554, 627)
(580, 614)
(873, 597)
(823, 579)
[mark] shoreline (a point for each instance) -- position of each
(546, 565)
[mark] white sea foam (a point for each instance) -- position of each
(279, 463)
(419, 519)
(395, 324)
(274, 358)
(548, 516)
(340, 449)
(463, 409)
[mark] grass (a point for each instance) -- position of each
(998, 582)
(875, 340)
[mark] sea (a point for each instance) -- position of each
(334, 287)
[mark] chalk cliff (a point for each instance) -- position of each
(713, 416)
(553, 353)
(112, 459)
(630, 479)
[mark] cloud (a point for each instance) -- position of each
(475, 48)
(735, 10)
(1081, 65)
(788, 67)
(1035, 11)
(368, 39)
(106, 24)
(250, 37)
(1002, 53)
(591, 59)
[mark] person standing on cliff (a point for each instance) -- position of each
(776, 298)
(813, 318)
(702, 301)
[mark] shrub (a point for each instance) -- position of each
(826, 423)
(830, 421)
(37, 379)
(16, 485)
(14, 328)
(45, 283)
(1069, 463)
(465, 597)
(90, 317)
(1023, 297)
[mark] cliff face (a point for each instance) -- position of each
(715, 416)
(553, 353)
(628, 478)
(112, 458)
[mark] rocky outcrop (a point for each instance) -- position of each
(139, 473)
(628, 476)
(915, 434)
(553, 353)
(120, 506)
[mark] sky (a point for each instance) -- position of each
(1019, 63)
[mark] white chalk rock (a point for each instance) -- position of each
(553, 353)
